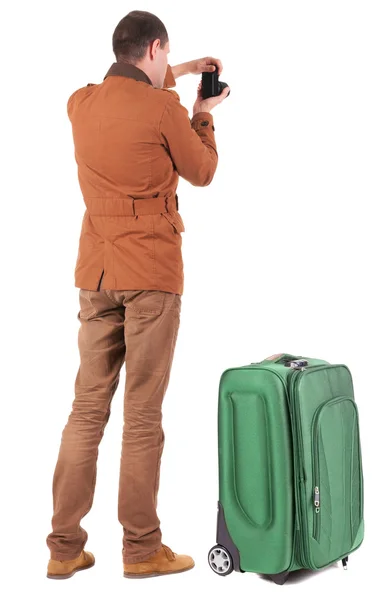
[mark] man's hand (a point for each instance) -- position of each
(202, 65)
(208, 104)
(198, 66)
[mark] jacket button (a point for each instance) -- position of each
(204, 123)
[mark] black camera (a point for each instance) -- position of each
(211, 86)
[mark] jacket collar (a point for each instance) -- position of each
(128, 70)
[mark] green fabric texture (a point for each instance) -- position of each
(288, 438)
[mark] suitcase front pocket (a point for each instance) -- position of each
(336, 496)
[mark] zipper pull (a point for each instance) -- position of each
(317, 499)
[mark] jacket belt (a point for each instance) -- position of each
(128, 206)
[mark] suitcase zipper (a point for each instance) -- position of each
(299, 479)
(316, 518)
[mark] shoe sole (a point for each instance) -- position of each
(145, 575)
(68, 575)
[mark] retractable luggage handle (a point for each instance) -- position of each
(288, 360)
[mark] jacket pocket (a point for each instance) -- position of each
(175, 220)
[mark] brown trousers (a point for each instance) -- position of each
(140, 328)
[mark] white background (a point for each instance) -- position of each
(284, 252)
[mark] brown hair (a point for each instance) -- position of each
(134, 33)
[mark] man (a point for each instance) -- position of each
(132, 140)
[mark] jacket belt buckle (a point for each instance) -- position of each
(133, 207)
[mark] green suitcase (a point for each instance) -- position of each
(290, 468)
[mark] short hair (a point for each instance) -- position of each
(135, 32)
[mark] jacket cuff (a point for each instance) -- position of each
(202, 120)
(169, 80)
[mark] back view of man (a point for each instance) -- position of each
(132, 140)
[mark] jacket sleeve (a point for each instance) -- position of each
(169, 80)
(190, 143)
(70, 104)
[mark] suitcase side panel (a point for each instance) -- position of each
(256, 468)
(330, 489)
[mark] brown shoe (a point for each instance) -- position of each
(63, 569)
(165, 562)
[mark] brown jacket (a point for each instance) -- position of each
(132, 141)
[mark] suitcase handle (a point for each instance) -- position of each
(289, 360)
(282, 358)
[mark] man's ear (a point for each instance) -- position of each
(155, 45)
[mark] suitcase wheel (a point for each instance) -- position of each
(220, 560)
